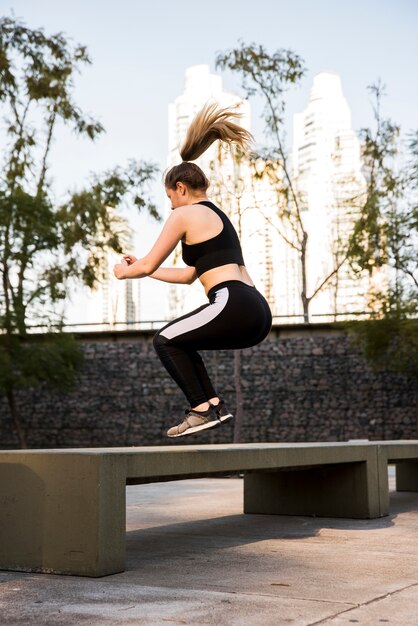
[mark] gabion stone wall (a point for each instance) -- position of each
(300, 384)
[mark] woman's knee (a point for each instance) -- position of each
(158, 341)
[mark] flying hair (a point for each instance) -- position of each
(210, 124)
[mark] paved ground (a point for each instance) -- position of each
(194, 558)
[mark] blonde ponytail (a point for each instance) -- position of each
(210, 124)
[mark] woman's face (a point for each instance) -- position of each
(177, 195)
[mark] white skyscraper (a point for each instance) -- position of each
(111, 304)
(119, 299)
(200, 87)
(327, 171)
(231, 185)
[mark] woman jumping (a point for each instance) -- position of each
(237, 315)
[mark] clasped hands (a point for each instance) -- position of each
(119, 268)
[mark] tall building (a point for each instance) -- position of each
(200, 87)
(116, 303)
(327, 170)
(120, 299)
(111, 304)
(231, 185)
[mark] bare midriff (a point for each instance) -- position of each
(217, 275)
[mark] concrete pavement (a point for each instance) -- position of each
(194, 558)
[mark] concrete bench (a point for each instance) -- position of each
(64, 511)
(403, 454)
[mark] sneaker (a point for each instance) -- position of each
(194, 422)
(222, 412)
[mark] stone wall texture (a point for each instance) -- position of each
(300, 384)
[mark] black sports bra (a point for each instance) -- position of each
(220, 250)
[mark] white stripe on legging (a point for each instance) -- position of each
(200, 319)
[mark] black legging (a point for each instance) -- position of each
(237, 316)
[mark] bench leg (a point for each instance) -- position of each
(341, 490)
(407, 476)
(62, 513)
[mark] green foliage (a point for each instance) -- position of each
(389, 339)
(270, 74)
(385, 242)
(90, 224)
(52, 359)
(385, 235)
(35, 68)
(44, 244)
(390, 343)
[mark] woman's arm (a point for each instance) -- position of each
(184, 275)
(170, 235)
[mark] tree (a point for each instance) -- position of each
(269, 76)
(233, 185)
(385, 242)
(44, 244)
(228, 189)
(385, 234)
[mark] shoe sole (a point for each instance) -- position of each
(226, 418)
(196, 429)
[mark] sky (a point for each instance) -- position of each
(140, 50)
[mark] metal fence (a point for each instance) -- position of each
(149, 325)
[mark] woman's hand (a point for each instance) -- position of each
(129, 258)
(119, 269)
